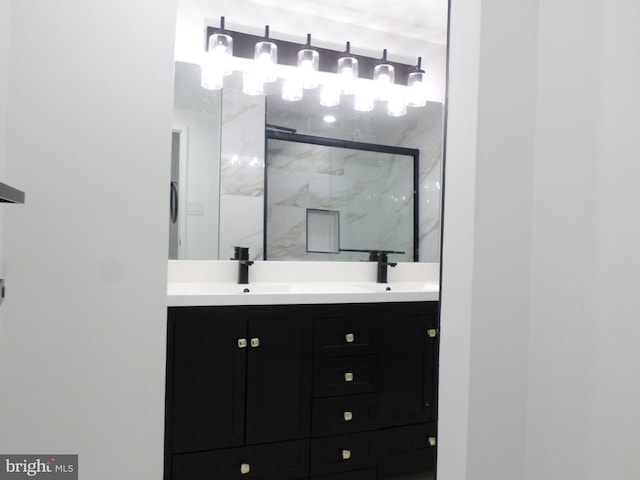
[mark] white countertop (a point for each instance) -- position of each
(203, 283)
(184, 294)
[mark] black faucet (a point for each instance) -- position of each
(242, 255)
(382, 257)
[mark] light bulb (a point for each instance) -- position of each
(417, 89)
(384, 76)
(308, 65)
(348, 72)
(266, 56)
(220, 52)
(417, 83)
(211, 77)
(252, 84)
(397, 106)
(292, 89)
(363, 101)
(330, 95)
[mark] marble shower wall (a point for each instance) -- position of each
(373, 192)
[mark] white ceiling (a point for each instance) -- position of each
(418, 19)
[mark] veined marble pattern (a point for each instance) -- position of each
(373, 192)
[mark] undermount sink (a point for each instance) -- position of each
(307, 288)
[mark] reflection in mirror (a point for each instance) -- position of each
(195, 167)
(338, 200)
(221, 176)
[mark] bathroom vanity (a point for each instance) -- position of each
(307, 388)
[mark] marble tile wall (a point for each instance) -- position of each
(371, 190)
(242, 183)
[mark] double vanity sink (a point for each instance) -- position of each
(213, 283)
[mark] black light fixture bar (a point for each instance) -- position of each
(244, 47)
(10, 195)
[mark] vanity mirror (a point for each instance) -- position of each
(233, 185)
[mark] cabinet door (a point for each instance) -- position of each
(206, 381)
(409, 365)
(275, 461)
(279, 375)
(408, 453)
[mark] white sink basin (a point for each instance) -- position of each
(257, 293)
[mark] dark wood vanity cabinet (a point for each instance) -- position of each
(345, 392)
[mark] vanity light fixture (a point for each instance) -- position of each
(309, 64)
(417, 83)
(217, 62)
(299, 67)
(348, 72)
(266, 56)
(384, 75)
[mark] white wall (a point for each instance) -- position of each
(5, 27)
(82, 340)
(539, 353)
(200, 187)
(487, 239)
(584, 389)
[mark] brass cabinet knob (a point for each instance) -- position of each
(242, 343)
(348, 416)
(348, 377)
(346, 454)
(349, 337)
(255, 342)
(432, 332)
(432, 441)
(245, 468)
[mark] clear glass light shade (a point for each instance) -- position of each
(220, 53)
(330, 95)
(348, 73)
(292, 89)
(384, 75)
(252, 84)
(397, 104)
(363, 101)
(266, 55)
(308, 64)
(211, 76)
(417, 91)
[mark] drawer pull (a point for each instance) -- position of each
(348, 377)
(346, 454)
(255, 342)
(349, 337)
(348, 416)
(432, 332)
(245, 468)
(242, 343)
(432, 441)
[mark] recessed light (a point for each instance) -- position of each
(329, 118)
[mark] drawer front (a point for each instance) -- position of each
(345, 375)
(369, 474)
(343, 453)
(346, 414)
(407, 451)
(277, 461)
(346, 336)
